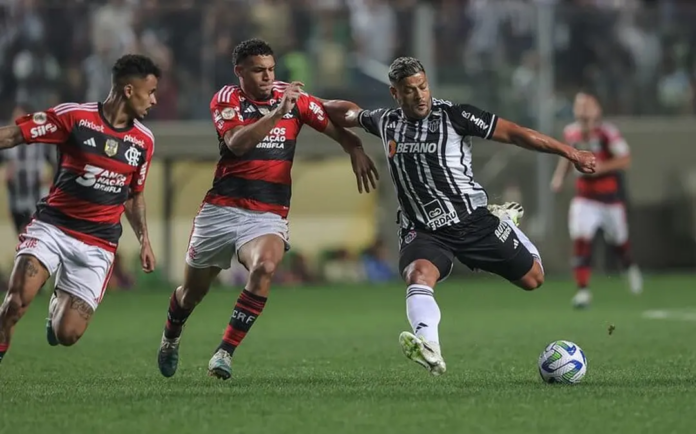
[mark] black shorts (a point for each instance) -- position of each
(480, 242)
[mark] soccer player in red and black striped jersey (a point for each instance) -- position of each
(244, 213)
(600, 198)
(104, 154)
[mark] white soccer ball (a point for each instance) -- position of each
(562, 362)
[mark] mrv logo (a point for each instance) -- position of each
(437, 217)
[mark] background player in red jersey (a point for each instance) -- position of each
(245, 211)
(104, 156)
(599, 200)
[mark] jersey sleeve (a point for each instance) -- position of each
(469, 120)
(226, 111)
(617, 144)
(371, 121)
(52, 126)
(312, 112)
(138, 182)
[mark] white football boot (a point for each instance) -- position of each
(512, 211)
(582, 299)
(427, 354)
(220, 365)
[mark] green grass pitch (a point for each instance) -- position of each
(327, 361)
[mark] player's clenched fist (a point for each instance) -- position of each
(585, 161)
(290, 97)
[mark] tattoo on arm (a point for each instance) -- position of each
(135, 213)
(27, 267)
(81, 307)
(10, 137)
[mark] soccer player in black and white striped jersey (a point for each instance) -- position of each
(444, 212)
(28, 171)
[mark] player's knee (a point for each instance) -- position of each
(421, 272)
(263, 269)
(68, 336)
(533, 279)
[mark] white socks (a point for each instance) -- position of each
(423, 312)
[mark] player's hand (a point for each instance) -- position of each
(290, 97)
(147, 257)
(364, 169)
(585, 162)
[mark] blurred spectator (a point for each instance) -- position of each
(640, 56)
(378, 266)
(341, 266)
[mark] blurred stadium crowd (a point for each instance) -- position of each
(640, 56)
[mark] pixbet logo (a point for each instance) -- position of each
(91, 125)
(134, 140)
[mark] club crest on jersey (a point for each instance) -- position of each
(433, 125)
(408, 239)
(133, 156)
(228, 113)
(111, 147)
(39, 118)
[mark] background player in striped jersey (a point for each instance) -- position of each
(600, 198)
(104, 153)
(443, 210)
(245, 211)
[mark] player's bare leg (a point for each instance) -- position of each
(69, 317)
(635, 277)
(423, 345)
(28, 276)
(582, 270)
(183, 301)
(261, 257)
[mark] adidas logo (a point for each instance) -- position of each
(250, 109)
(515, 243)
(391, 125)
(420, 326)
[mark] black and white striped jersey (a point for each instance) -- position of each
(27, 165)
(430, 160)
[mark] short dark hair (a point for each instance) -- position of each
(133, 65)
(250, 47)
(404, 67)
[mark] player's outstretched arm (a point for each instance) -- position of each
(342, 113)
(509, 132)
(10, 136)
(135, 213)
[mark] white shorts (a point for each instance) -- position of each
(220, 231)
(82, 270)
(587, 216)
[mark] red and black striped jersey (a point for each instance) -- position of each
(605, 142)
(259, 180)
(99, 166)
